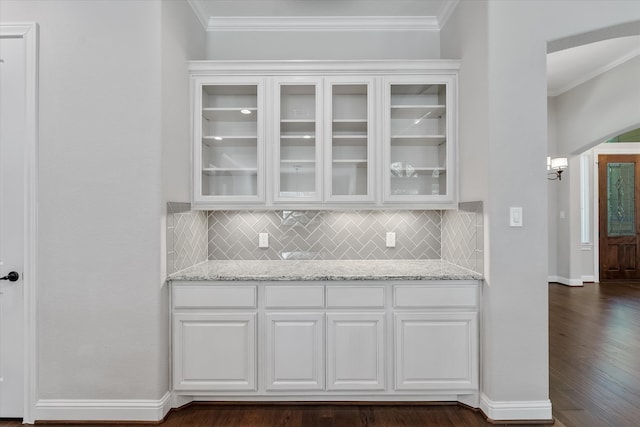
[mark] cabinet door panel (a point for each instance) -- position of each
(419, 147)
(349, 139)
(229, 138)
(298, 140)
(214, 352)
(436, 351)
(355, 351)
(295, 350)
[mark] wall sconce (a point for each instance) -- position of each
(556, 166)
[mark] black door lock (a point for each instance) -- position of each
(12, 276)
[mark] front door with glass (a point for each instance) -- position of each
(619, 212)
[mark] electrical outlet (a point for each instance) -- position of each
(391, 239)
(263, 240)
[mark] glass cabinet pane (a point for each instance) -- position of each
(349, 140)
(418, 140)
(298, 139)
(229, 140)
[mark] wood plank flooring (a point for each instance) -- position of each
(594, 353)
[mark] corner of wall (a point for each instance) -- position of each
(463, 236)
(186, 236)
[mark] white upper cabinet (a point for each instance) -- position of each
(297, 143)
(228, 150)
(323, 134)
(349, 140)
(419, 147)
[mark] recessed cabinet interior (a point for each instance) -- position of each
(324, 134)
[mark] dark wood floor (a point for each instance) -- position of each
(594, 352)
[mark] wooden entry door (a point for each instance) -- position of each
(619, 208)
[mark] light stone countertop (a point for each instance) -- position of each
(243, 270)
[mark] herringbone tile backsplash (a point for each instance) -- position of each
(186, 237)
(453, 235)
(463, 236)
(324, 234)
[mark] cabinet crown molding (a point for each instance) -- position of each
(323, 23)
(324, 67)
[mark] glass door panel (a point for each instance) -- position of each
(349, 167)
(621, 203)
(417, 140)
(229, 140)
(298, 172)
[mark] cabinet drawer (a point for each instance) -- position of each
(435, 296)
(208, 296)
(294, 296)
(355, 296)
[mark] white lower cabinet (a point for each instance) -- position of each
(436, 351)
(294, 351)
(214, 351)
(359, 340)
(355, 351)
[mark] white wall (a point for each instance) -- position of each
(102, 322)
(515, 306)
(553, 187)
(323, 45)
(588, 114)
(600, 108)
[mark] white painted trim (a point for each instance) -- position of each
(104, 410)
(516, 410)
(595, 73)
(322, 67)
(622, 148)
(29, 33)
(322, 23)
(446, 10)
(199, 11)
(588, 279)
(565, 281)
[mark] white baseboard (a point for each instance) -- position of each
(565, 281)
(103, 410)
(588, 279)
(530, 410)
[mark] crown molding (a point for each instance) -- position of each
(199, 11)
(446, 10)
(595, 73)
(322, 23)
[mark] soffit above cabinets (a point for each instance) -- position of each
(323, 15)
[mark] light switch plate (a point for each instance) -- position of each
(263, 240)
(391, 239)
(515, 216)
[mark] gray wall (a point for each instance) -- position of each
(513, 76)
(105, 80)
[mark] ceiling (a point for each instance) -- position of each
(566, 68)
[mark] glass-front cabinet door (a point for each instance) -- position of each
(349, 133)
(229, 153)
(419, 148)
(298, 140)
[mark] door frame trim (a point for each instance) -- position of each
(29, 33)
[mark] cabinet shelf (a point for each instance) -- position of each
(349, 161)
(229, 171)
(294, 161)
(417, 111)
(230, 140)
(230, 114)
(415, 140)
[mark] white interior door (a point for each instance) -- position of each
(13, 130)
